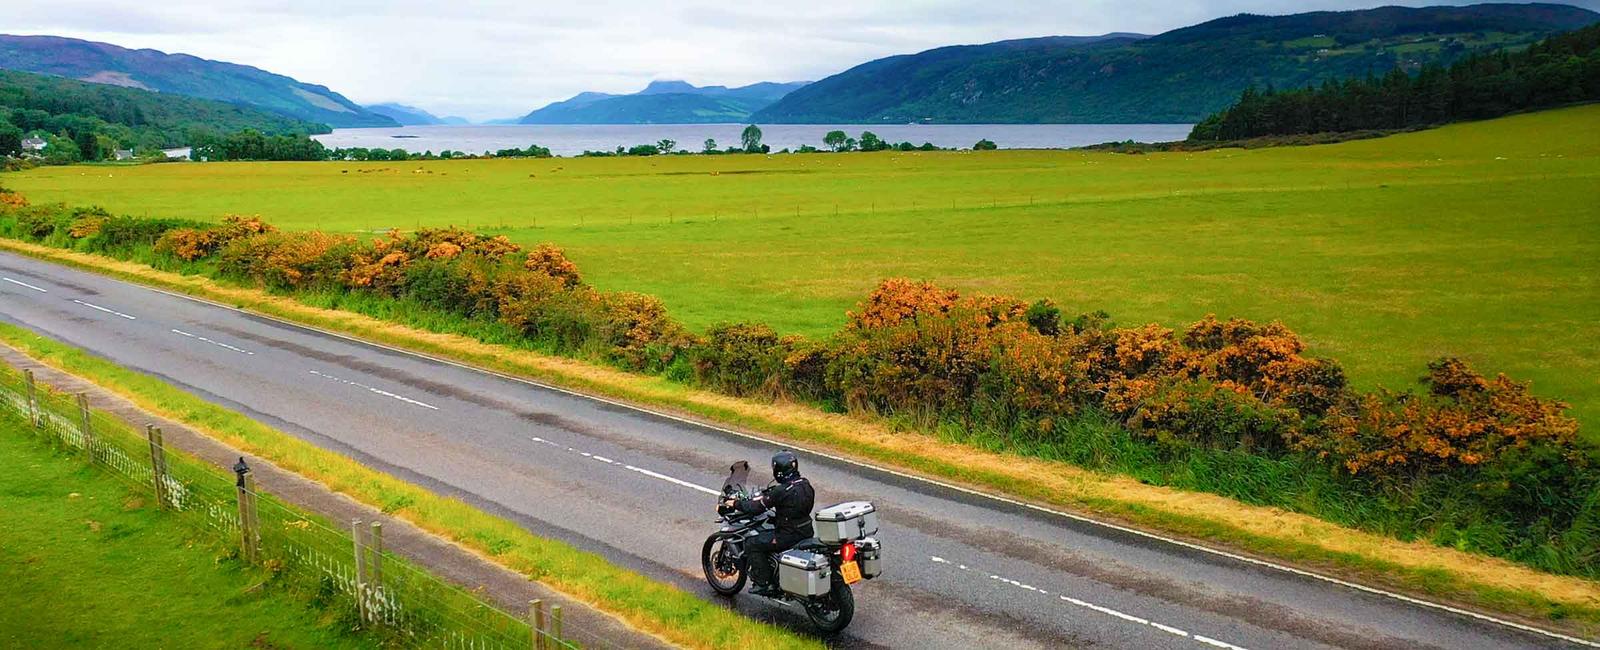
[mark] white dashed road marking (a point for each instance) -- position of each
(219, 344)
(1213, 642)
(108, 311)
(379, 391)
(24, 284)
(669, 479)
(1136, 620)
(655, 475)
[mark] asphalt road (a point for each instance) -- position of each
(960, 570)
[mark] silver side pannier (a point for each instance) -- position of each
(846, 521)
(804, 573)
(870, 553)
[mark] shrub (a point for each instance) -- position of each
(122, 234)
(1463, 421)
(543, 307)
(236, 226)
(915, 357)
(37, 223)
(379, 271)
(188, 244)
(552, 261)
(290, 260)
(1266, 360)
(742, 359)
(638, 332)
(438, 285)
(806, 369)
(1219, 415)
(9, 200)
(1044, 317)
(1034, 377)
(898, 299)
(87, 225)
(441, 251)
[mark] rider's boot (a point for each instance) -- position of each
(763, 581)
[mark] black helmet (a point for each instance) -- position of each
(785, 465)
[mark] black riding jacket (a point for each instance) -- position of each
(791, 502)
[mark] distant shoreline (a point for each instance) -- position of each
(574, 139)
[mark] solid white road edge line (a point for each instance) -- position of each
(24, 284)
(892, 472)
(108, 311)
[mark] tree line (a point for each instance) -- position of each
(86, 143)
(1559, 70)
(836, 141)
(87, 122)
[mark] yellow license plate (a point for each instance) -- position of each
(851, 571)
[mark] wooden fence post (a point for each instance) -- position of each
(361, 570)
(249, 536)
(85, 425)
(555, 627)
(376, 544)
(158, 464)
(255, 516)
(33, 400)
(536, 622)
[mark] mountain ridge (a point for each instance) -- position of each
(408, 115)
(182, 74)
(663, 101)
(1178, 76)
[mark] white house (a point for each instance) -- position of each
(33, 144)
(124, 154)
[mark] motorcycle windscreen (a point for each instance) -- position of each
(738, 475)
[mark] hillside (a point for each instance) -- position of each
(411, 115)
(1179, 76)
(182, 74)
(664, 102)
(123, 117)
(1562, 69)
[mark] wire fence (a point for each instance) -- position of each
(349, 570)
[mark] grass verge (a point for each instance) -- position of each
(666, 611)
(88, 562)
(1439, 573)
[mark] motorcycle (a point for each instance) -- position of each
(816, 574)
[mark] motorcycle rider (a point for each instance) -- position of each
(791, 499)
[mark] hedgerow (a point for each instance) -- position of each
(1226, 405)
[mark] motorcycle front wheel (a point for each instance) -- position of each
(832, 613)
(724, 572)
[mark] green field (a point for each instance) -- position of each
(86, 561)
(1480, 240)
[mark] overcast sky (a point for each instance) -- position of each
(487, 60)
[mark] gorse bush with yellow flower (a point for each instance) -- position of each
(1224, 405)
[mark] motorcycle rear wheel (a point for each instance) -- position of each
(725, 575)
(832, 613)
